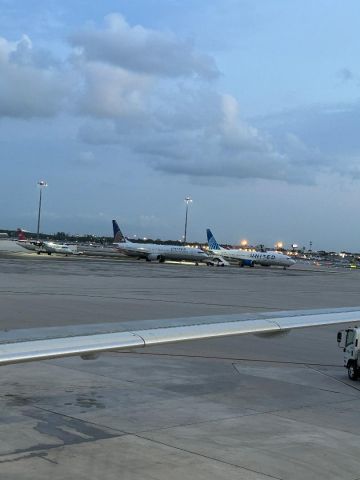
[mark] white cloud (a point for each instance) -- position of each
(220, 145)
(319, 139)
(148, 92)
(111, 91)
(27, 88)
(142, 50)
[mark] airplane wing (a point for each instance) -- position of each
(20, 346)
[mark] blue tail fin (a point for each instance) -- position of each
(211, 241)
(118, 235)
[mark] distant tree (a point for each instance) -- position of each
(60, 236)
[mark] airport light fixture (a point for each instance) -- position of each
(42, 184)
(244, 243)
(279, 245)
(187, 200)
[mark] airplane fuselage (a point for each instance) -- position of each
(47, 247)
(32, 245)
(152, 251)
(252, 258)
(51, 247)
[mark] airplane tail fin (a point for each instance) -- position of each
(118, 235)
(20, 234)
(211, 241)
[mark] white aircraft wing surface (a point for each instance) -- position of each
(52, 342)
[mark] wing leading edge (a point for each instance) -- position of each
(92, 344)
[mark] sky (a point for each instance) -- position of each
(126, 107)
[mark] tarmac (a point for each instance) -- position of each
(235, 408)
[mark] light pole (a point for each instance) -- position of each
(42, 184)
(187, 201)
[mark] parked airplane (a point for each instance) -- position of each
(52, 247)
(39, 246)
(249, 258)
(152, 251)
(28, 243)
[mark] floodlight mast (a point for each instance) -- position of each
(42, 184)
(187, 201)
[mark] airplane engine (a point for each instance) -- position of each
(153, 256)
(246, 263)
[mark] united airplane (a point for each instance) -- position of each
(152, 251)
(248, 258)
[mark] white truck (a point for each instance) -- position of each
(349, 341)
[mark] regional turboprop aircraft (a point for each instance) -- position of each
(39, 246)
(265, 259)
(62, 248)
(43, 344)
(28, 243)
(152, 251)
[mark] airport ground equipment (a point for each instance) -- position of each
(349, 341)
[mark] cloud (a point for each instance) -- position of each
(112, 92)
(29, 86)
(142, 50)
(207, 141)
(320, 139)
(346, 75)
(148, 93)
(141, 90)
